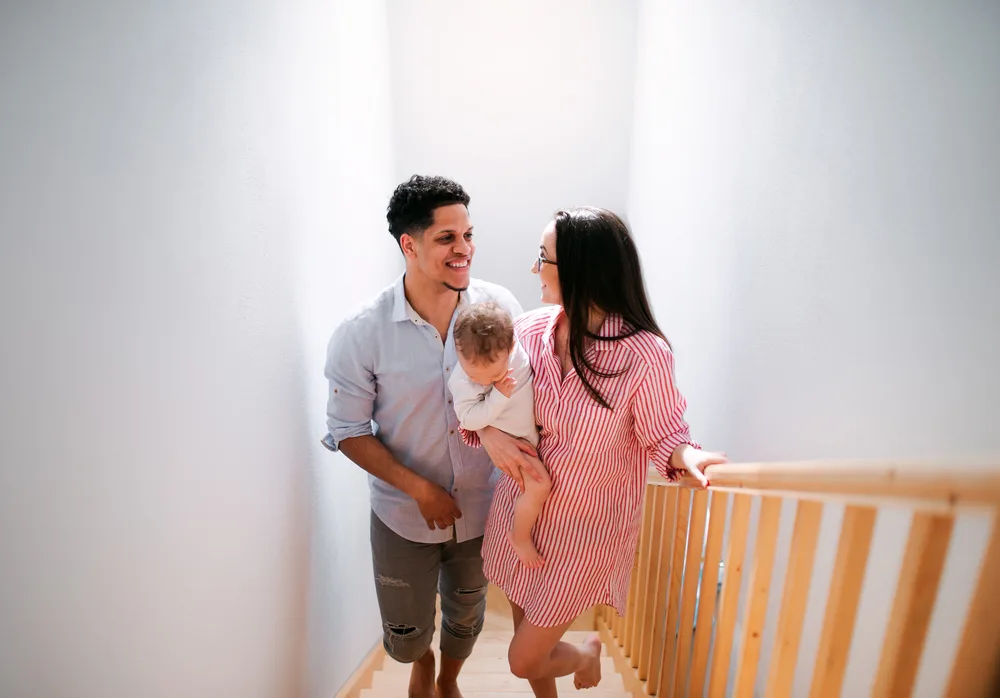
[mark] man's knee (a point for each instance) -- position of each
(464, 604)
(406, 643)
(463, 611)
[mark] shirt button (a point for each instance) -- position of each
(449, 399)
(447, 368)
(452, 432)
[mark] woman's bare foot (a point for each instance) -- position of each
(590, 674)
(526, 552)
(448, 690)
(422, 677)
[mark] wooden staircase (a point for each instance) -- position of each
(486, 674)
(691, 621)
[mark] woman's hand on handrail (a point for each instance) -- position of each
(511, 455)
(694, 460)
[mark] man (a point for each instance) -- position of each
(389, 364)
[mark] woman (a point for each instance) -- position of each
(607, 405)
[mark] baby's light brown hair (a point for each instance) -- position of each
(484, 332)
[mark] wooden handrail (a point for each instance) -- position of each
(969, 482)
(667, 639)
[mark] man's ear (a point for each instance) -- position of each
(408, 244)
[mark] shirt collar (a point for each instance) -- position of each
(611, 327)
(550, 326)
(401, 308)
(403, 311)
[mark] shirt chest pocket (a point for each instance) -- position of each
(602, 431)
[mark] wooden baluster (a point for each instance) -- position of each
(916, 592)
(706, 598)
(669, 658)
(794, 597)
(689, 596)
(976, 671)
(642, 584)
(616, 625)
(758, 592)
(633, 601)
(651, 589)
(664, 583)
(626, 624)
(732, 576)
(842, 603)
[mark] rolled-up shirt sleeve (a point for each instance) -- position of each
(352, 388)
(470, 438)
(659, 413)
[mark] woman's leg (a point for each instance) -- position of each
(542, 688)
(517, 612)
(537, 654)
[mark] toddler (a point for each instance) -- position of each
(491, 386)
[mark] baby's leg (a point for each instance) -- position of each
(526, 509)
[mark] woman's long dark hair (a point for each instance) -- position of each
(599, 269)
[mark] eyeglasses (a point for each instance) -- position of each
(542, 260)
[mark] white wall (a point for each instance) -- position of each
(346, 258)
(528, 104)
(815, 186)
(165, 180)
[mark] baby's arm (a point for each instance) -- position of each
(474, 411)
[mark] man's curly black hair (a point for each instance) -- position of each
(411, 208)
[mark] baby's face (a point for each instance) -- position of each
(485, 372)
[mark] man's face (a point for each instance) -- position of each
(443, 252)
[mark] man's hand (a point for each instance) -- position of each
(507, 385)
(438, 508)
(512, 455)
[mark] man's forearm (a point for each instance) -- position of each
(372, 456)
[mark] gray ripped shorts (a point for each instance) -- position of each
(408, 577)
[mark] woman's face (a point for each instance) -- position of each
(545, 266)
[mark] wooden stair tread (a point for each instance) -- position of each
(592, 693)
(497, 683)
(489, 650)
(479, 664)
(486, 674)
(572, 636)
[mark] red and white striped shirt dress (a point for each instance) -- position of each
(598, 459)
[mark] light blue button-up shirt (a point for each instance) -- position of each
(388, 370)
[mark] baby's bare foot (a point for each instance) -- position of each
(590, 674)
(526, 552)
